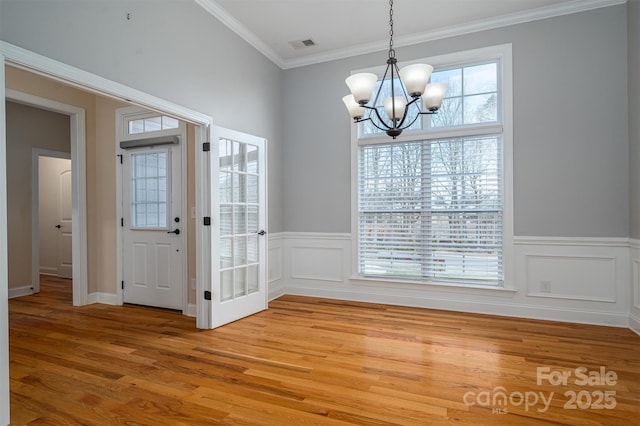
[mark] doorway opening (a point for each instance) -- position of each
(152, 199)
(77, 147)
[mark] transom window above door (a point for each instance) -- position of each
(151, 124)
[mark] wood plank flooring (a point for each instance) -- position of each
(310, 361)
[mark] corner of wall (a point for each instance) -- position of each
(275, 283)
(634, 291)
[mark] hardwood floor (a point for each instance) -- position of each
(309, 361)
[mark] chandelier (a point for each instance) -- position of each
(415, 94)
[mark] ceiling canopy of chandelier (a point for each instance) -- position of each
(416, 92)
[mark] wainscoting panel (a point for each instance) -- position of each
(579, 278)
(585, 280)
(316, 263)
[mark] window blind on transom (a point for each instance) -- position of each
(432, 210)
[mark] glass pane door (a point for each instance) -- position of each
(239, 219)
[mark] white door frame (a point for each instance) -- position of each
(39, 64)
(122, 114)
(78, 191)
(36, 153)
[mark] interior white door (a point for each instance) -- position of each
(54, 217)
(65, 256)
(153, 229)
(239, 242)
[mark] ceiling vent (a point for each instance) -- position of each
(302, 44)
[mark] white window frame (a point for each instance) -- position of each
(504, 127)
(146, 116)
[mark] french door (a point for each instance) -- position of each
(238, 235)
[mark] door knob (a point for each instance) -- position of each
(262, 232)
(58, 226)
(177, 232)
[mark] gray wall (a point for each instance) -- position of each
(570, 96)
(27, 128)
(633, 19)
(570, 128)
(172, 49)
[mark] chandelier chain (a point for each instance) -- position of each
(392, 52)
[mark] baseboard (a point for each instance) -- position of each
(20, 291)
(503, 308)
(106, 298)
(48, 271)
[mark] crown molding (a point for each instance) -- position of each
(247, 35)
(568, 8)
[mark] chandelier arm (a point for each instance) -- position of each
(393, 94)
(373, 123)
(381, 120)
(375, 100)
(413, 101)
(410, 124)
(378, 127)
(404, 117)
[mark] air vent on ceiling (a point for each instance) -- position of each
(302, 44)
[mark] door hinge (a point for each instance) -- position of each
(207, 221)
(207, 295)
(122, 222)
(122, 284)
(206, 147)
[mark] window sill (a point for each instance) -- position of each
(363, 280)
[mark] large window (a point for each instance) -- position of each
(431, 205)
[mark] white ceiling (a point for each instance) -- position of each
(342, 28)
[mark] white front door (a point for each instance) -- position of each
(153, 227)
(239, 244)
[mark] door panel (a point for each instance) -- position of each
(65, 267)
(238, 196)
(54, 205)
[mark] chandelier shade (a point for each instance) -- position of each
(415, 93)
(415, 78)
(433, 95)
(361, 86)
(395, 107)
(356, 111)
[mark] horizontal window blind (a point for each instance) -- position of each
(432, 210)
